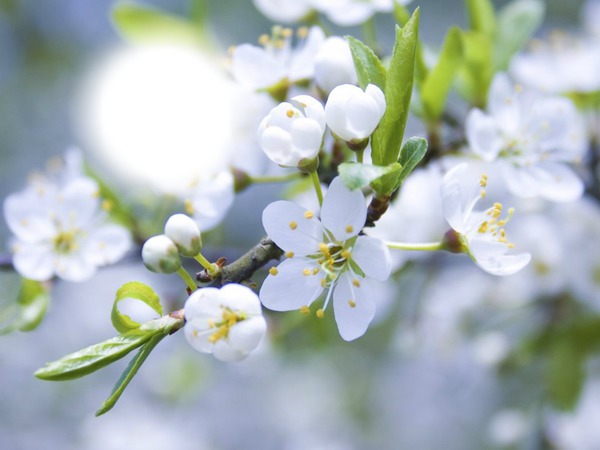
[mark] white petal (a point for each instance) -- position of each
(106, 245)
(373, 257)
(452, 198)
(225, 352)
(553, 181)
(362, 116)
(212, 199)
(78, 202)
(240, 298)
(34, 261)
(353, 321)
(197, 335)
(245, 336)
(283, 11)
(483, 135)
(307, 137)
(344, 211)
(302, 65)
(27, 216)
(313, 109)
(492, 257)
(291, 289)
(277, 145)
(202, 306)
(376, 94)
(74, 267)
(254, 68)
(289, 227)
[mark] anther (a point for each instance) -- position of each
(320, 313)
(304, 310)
(293, 225)
(352, 303)
(289, 254)
(308, 214)
(273, 271)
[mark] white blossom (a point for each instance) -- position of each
(184, 232)
(326, 254)
(353, 114)
(226, 322)
(293, 131)
(354, 12)
(284, 11)
(160, 254)
(481, 234)
(276, 61)
(531, 136)
(208, 200)
(60, 229)
(334, 64)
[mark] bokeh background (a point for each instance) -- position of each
(300, 391)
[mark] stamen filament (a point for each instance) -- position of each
(425, 247)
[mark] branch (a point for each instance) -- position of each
(245, 266)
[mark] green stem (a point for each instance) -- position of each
(317, 184)
(211, 268)
(189, 281)
(359, 156)
(276, 178)
(425, 247)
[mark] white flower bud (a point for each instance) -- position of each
(160, 255)
(226, 322)
(293, 131)
(184, 232)
(353, 114)
(334, 65)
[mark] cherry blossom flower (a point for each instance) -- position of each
(354, 12)
(480, 234)
(293, 131)
(334, 64)
(226, 322)
(208, 200)
(276, 61)
(60, 229)
(353, 114)
(531, 137)
(326, 254)
(284, 11)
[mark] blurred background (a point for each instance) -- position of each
(304, 390)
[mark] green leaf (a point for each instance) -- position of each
(517, 22)
(388, 183)
(29, 310)
(357, 175)
(368, 67)
(475, 75)
(129, 373)
(565, 374)
(141, 24)
(387, 139)
(437, 84)
(413, 151)
(138, 291)
(481, 16)
(94, 357)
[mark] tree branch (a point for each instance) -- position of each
(245, 266)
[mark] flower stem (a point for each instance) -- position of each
(315, 179)
(211, 268)
(276, 178)
(189, 281)
(425, 247)
(359, 156)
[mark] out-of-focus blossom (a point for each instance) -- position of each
(353, 114)
(293, 131)
(326, 254)
(508, 427)
(354, 12)
(160, 255)
(276, 61)
(60, 229)
(481, 234)
(284, 11)
(334, 64)
(226, 322)
(531, 136)
(209, 200)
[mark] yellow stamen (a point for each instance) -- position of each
(346, 254)
(293, 225)
(315, 271)
(320, 313)
(308, 214)
(289, 254)
(356, 283)
(289, 113)
(273, 271)
(189, 207)
(352, 303)
(349, 229)
(306, 272)
(304, 310)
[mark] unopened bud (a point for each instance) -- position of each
(160, 255)
(184, 232)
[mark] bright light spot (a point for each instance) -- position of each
(158, 115)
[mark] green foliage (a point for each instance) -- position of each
(94, 357)
(136, 290)
(369, 68)
(357, 175)
(129, 373)
(475, 76)
(29, 310)
(481, 17)
(413, 151)
(387, 139)
(140, 24)
(565, 374)
(435, 87)
(517, 22)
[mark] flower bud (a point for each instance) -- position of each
(353, 114)
(184, 232)
(293, 131)
(334, 65)
(160, 255)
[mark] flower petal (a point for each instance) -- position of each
(223, 351)
(353, 305)
(483, 135)
(344, 211)
(106, 245)
(291, 289)
(245, 336)
(34, 261)
(254, 68)
(292, 228)
(373, 257)
(491, 256)
(240, 299)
